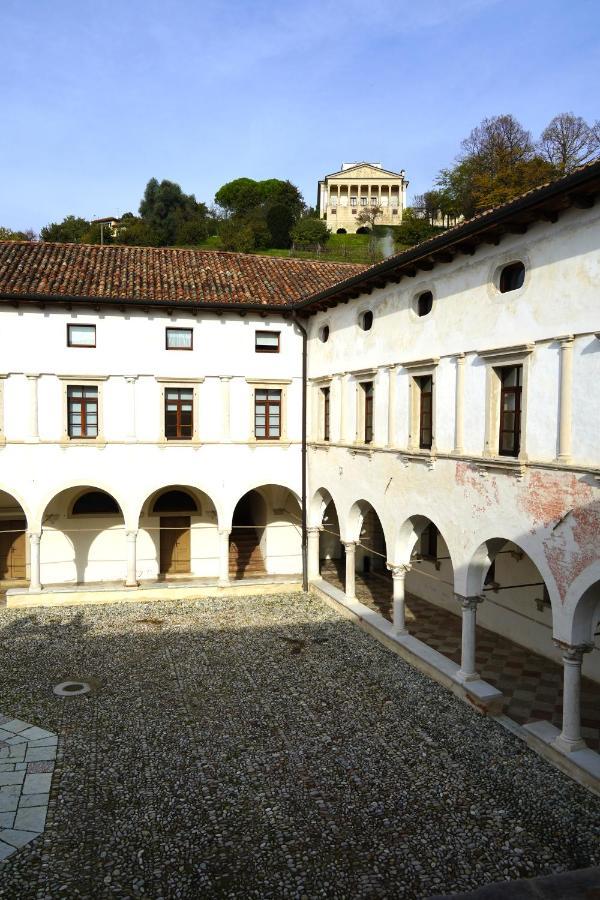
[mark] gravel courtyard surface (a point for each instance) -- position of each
(265, 747)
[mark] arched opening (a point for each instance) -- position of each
(331, 549)
(83, 538)
(266, 536)
(363, 230)
(13, 542)
(341, 231)
(178, 535)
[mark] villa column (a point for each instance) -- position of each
(350, 588)
(224, 556)
(313, 552)
(34, 434)
(131, 559)
(226, 406)
(570, 738)
(566, 392)
(459, 403)
(469, 620)
(392, 385)
(399, 573)
(35, 584)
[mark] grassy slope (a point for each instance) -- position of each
(339, 248)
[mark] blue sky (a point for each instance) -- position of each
(98, 96)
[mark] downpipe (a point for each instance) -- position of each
(304, 334)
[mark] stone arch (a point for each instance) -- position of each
(582, 607)
(266, 532)
(14, 550)
(82, 548)
(354, 520)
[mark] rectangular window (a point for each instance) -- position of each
(179, 413)
(511, 381)
(367, 389)
(363, 201)
(179, 339)
(267, 413)
(325, 393)
(82, 411)
(429, 542)
(425, 385)
(266, 341)
(352, 201)
(81, 335)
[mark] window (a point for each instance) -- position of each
(325, 393)
(424, 303)
(266, 341)
(363, 201)
(352, 201)
(333, 211)
(179, 413)
(512, 277)
(175, 501)
(367, 389)
(429, 542)
(95, 502)
(365, 320)
(81, 335)
(267, 413)
(179, 339)
(511, 382)
(425, 385)
(82, 412)
(394, 212)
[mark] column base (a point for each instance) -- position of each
(223, 582)
(35, 589)
(400, 631)
(464, 677)
(132, 584)
(565, 745)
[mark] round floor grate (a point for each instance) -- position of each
(72, 688)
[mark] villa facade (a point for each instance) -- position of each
(342, 195)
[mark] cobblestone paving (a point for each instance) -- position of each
(265, 747)
(531, 683)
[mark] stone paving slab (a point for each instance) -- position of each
(24, 790)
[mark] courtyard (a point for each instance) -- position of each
(266, 747)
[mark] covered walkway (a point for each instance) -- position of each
(531, 683)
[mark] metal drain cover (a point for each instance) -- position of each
(72, 688)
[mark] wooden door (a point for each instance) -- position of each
(12, 549)
(175, 555)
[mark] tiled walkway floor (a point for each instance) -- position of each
(531, 683)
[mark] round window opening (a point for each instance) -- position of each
(324, 334)
(366, 320)
(424, 303)
(512, 277)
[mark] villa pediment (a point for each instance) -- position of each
(364, 170)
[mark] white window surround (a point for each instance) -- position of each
(269, 384)
(318, 408)
(497, 264)
(517, 355)
(416, 369)
(359, 378)
(86, 381)
(194, 384)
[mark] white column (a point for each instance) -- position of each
(224, 556)
(131, 580)
(566, 392)
(392, 386)
(226, 407)
(35, 584)
(33, 407)
(131, 431)
(313, 553)
(399, 610)
(459, 404)
(469, 605)
(570, 738)
(344, 411)
(380, 413)
(350, 587)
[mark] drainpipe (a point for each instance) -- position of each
(304, 334)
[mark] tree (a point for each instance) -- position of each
(72, 230)
(368, 215)
(568, 141)
(279, 220)
(169, 213)
(268, 207)
(236, 236)
(7, 234)
(135, 232)
(414, 228)
(238, 197)
(310, 230)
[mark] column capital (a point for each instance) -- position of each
(314, 529)
(35, 537)
(398, 571)
(573, 653)
(566, 340)
(131, 534)
(32, 375)
(350, 546)
(224, 531)
(459, 357)
(130, 379)
(225, 377)
(469, 602)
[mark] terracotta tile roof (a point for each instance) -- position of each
(166, 274)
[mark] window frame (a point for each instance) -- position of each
(325, 392)
(495, 360)
(178, 402)
(365, 410)
(510, 268)
(84, 402)
(172, 328)
(425, 415)
(267, 404)
(418, 369)
(268, 349)
(70, 343)
(515, 391)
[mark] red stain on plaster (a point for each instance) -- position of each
(565, 508)
(482, 490)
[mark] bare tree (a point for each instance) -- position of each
(369, 214)
(497, 142)
(568, 142)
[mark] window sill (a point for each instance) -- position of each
(510, 464)
(98, 442)
(414, 454)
